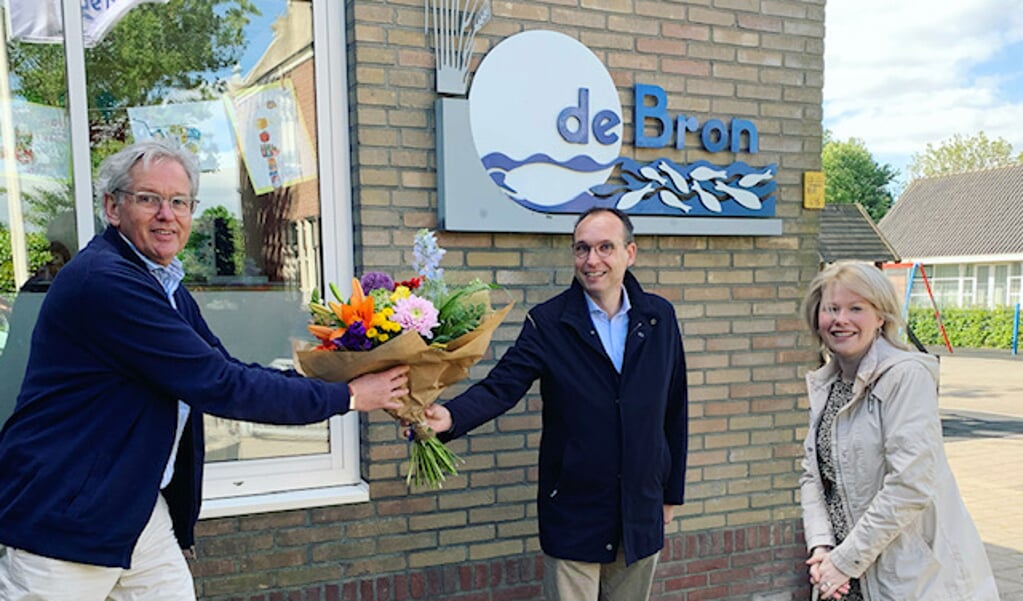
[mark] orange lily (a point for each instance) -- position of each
(325, 333)
(358, 308)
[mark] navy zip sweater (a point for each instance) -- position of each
(82, 456)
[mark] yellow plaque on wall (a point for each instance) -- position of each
(813, 190)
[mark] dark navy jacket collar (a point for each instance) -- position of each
(113, 237)
(577, 312)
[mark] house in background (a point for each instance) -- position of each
(847, 233)
(966, 230)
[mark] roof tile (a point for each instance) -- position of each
(975, 213)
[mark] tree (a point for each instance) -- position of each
(852, 175)
(184, 46)
(153, 49)
(38, 248)
(46, 204)
(215, 247)
(960, 154)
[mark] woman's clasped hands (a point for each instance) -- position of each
(828, 581)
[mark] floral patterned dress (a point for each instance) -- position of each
(840, 395)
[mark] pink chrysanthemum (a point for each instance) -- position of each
(415, 313)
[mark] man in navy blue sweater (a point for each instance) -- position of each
(612, 375)
(101, 462)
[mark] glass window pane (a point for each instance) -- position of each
(983, 285)
(234, 83)
(1000, 285)
(38, 232)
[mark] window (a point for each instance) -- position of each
(946, 286)
(999, 286)
(264, 112)
(968, 285)
(38, 230)
(1015, 285)
(982, 297)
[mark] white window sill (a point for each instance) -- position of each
(283, 501)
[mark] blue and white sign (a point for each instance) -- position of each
(530, 93)
(546, 122)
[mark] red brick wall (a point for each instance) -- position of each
(737, 299)
(721, 565)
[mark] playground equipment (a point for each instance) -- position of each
(913, 267)
(1015, 330)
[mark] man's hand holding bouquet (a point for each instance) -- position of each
(437, 330)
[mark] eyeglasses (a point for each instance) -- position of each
(151, 203)
(603, 250)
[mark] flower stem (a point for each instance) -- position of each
(429, 461)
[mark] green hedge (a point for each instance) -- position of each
(966, 328)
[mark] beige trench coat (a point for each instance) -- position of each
(911, 538)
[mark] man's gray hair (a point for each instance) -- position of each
(115, 170)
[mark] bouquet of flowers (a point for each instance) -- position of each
(437, 330)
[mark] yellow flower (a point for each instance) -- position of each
(383, 337)
(372, 333)
(399, 293)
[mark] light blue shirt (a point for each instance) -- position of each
(612, 330)
(170, 277)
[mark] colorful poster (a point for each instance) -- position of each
(272, 137)
(41, 147)
(201, 127)
(41, 21)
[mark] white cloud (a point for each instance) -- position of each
(900, 74)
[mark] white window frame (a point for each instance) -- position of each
(918, 297)
(273, 484)
(1016, 280)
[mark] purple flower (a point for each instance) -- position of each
(415, 313)
(426, 255)
(376, 279)
(354, 338)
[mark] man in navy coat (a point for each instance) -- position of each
(101, 462)
(612, 377)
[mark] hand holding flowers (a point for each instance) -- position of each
(378, 390)
(437, 330)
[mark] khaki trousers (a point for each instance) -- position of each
(158, 572)
(565, 580)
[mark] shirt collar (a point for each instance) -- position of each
(595, 308)
(169, 276)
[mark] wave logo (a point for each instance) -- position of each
(546, 121)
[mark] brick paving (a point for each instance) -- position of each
(981, 404)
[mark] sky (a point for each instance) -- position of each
(901, 74)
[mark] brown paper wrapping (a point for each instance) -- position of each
(431, 369)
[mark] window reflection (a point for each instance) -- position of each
(37, 224)
(233, 81)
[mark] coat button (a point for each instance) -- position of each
(609, 547)
(653, 321)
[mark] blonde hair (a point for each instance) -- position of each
(864, 280)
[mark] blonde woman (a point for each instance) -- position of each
(882, 514)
